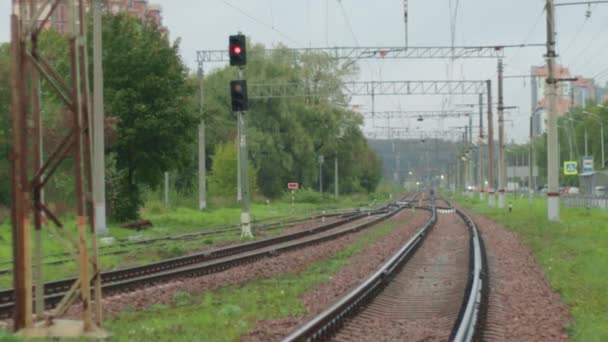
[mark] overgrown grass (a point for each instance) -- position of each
(573, 253)
(171, 221)
(228, 313)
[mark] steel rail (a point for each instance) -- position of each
(261, 224)
(329, 321)
(203, 263)
(124, 273)
(472, 312)
(123, 246)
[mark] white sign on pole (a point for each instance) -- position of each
(587, 164)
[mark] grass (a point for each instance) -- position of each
(228, 313)
(573, 254)
(171, 221)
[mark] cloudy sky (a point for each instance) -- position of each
(582, 41)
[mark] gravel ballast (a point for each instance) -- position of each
(522, 305)
(359, 267)
(292, 261)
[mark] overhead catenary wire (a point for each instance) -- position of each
(577, 34)
(594, 55)
(271, 14)
(268, 26)
(601, 74)
(576, 59)
(356, 40)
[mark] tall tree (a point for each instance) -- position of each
(147, 91)
(286, 136)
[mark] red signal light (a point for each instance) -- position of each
(236, 49)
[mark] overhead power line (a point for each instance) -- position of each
(581, 3)
(268, 26)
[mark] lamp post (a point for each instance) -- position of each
(599, 119)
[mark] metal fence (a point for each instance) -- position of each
(585, 202)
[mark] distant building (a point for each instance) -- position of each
(577, 93)
(539, 113)
(583, 91)
(601, 94)
(60, 18)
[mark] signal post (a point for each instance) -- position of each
(240, 104)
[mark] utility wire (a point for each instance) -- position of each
(271, 14)
(271, 27)
(589, 43)
(593, 56)
(529, 34)
(601, 73)
(574, 39)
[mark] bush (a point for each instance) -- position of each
(125, 199)
(223, 176)
(306, 195)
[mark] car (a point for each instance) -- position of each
(574, 190)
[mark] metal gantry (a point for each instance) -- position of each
(426, 114)
(369, 88)
(354, 53)
(351, 54)
(402, 133)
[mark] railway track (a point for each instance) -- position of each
(433, 288)
(125, 246)
(212, 261)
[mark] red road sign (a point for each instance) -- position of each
(292, 186)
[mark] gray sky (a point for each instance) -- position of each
(582, 43)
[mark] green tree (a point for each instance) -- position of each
(147, 92)
(223, 177)
(286, 135)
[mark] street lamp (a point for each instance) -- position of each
(599, 119)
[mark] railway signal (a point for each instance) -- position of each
(237, 49)
(240, 103)
(238, 93)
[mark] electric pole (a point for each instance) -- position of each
(531, 163)
(491, 199)
(480, 179)
(336, 192)
(552, 140)
(99, 192)
(202, 158)
(405, 20)
(465, 164)
(570, 126)
(501, 143)
(321, 160)
(471, 159)
(166, 188)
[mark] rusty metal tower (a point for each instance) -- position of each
(30, 69)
